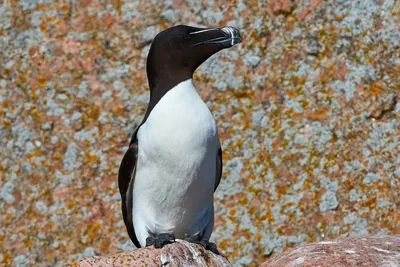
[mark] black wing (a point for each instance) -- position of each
(219, 169)
(126, 179)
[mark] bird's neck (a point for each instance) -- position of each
(161, 80)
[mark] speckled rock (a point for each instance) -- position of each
(179, 254)
(307, 106)
(381, 251)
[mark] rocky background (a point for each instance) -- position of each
(308, 108)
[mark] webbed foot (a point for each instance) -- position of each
(160, 240)
(206, 244)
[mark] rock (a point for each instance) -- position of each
(309, 99)
(349, 251)
(180, 253)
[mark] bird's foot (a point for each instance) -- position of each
(160, 240)
(206, 244)
(209, 246)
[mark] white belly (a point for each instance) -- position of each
(176, 168)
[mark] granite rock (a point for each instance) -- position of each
(179, 254)
(377, 251)
(307, 107)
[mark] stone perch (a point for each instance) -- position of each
(178, 254)
(373, 251)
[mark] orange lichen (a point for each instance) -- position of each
(376, 89)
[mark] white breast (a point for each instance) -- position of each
(180, 122)
(176, 166)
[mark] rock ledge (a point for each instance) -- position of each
(350, 251)
(180, 253)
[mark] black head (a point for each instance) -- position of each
(175, 53)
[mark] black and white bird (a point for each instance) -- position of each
(168, 176)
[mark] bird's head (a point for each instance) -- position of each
(178, 51)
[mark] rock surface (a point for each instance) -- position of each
(381, 251)
(307, 106)
(179, 254)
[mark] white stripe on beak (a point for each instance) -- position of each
(229, 31)
(206, 30)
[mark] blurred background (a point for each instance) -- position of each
(307, 106)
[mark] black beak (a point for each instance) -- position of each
(233, 36)
(226, 36)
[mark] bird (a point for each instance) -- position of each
(168, 175)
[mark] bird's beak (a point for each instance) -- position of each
(226, 36)
(232, 35)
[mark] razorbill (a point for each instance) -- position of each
(168, 176)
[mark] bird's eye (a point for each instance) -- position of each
(186, 36)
